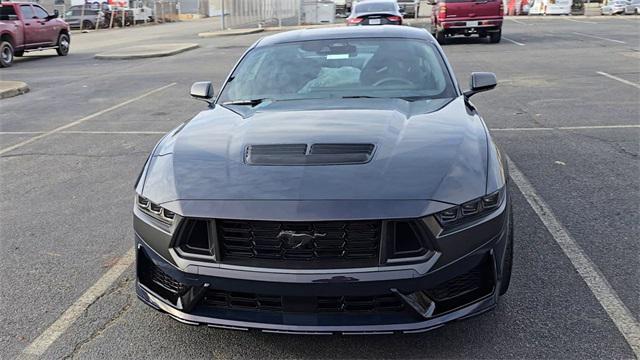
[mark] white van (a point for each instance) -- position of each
(551, 7)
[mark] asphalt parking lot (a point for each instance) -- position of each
(566, 112)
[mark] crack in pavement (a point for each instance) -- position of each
(611, 143)
(122, 285)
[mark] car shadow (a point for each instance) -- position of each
(466, 40)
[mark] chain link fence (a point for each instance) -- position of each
(244, 13)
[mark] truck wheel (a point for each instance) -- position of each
(494, 37)
(6, 54)
(442, 39)
(63, 45)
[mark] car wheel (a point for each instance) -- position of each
(440, 36)
(63, 45)
(6, 54)
(495, 37)
(508, 258)
(86, 25)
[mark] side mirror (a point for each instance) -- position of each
(53, 16)
(202, 90)
(481, 81)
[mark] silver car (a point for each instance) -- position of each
(88, 18)
(633, 8)
(614, 7)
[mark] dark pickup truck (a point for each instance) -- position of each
(28, 27)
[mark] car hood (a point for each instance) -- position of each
(424, 150)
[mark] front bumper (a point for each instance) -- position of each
(295, 291)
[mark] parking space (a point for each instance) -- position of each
(566, 112)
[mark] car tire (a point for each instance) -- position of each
(495, 37)
(6, 54)
(507, 264)
(87, 25)
(440, 36)
(63, 44)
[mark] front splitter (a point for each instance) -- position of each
(474, 309)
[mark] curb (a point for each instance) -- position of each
(230, 32)
(12, 88)
(145, 51)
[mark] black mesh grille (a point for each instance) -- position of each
(339, 304)
(165, 281)
(319, 244)
(458, 286)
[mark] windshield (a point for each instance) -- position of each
(399, 68)
(374, 7)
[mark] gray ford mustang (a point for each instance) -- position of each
(341, 182)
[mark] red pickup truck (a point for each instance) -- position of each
(467, 17)
(28, 27)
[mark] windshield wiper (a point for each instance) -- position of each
(359, 97)
(252, 102)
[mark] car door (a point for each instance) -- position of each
(9, 17)
(30, 25)
(47, 32)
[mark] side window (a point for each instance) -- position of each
(40, 12)
(26, 11)
(8, 13)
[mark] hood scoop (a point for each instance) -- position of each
(303, 154)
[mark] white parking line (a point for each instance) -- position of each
(115, 132)
(513, 41)
(86, 132)
(79, 121)
(517, 21)
(597, 283)
(618, 79)
(53, 332)
(580, 21)
(600, 38)
(598, 127)
(569, 128)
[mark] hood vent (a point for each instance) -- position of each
(316, 154)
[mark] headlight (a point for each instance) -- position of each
(470, 210)
(154, 210)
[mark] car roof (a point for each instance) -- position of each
(351, 32)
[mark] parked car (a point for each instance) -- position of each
(29, 27)
(86, 18)
(551, 7)
(379, 12)
(341, 182)
(614, 7)
(633, 8)
(467, 17)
